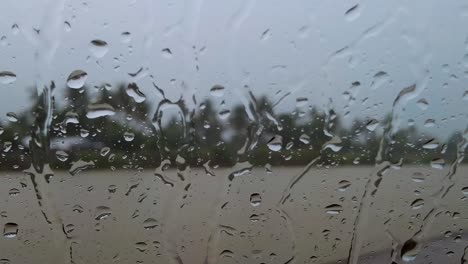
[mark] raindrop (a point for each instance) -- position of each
(104, 151)
(304, 139)
(125, 37)
(275, 143)
(438, 163)
(422, 104)
(69, 228)
(61, 155)
(417, 204)
(334, 209)
(7, 145)
(13, 192)
(12, 117)
(224, 114)
(429, 123)
(99, 110)
(10, 230)
(166, 53)
(372, 125)
(343, 185)
(301, 101)
(255, 199)
(7, 77)
(418, 177)
(409, 251)
(352, 13)
(129, 136)
(217, 90)
(15, 29)
(84, 133)
(379, 79)
(77, 79)
(465, 96)
(102, 212)
(431, 144)
(465, 191)
(150, 223)
(67, 26)
(112, 188)
(333, 144)
(141, 246)
(98, 48)
(254, 218)
(134, 92)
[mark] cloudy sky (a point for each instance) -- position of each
(282, 49)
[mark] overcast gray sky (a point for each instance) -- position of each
(313, 49)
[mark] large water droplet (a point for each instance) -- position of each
(431, 144)
(304, 139)
(99, 110)
(12, 117)
(77, 79)
(343, 185)
(129, 136)
(379, 79)
(102, 212)
(410, 250)
(372, 125)
(438, 163)
(275, 143)
(10, 230)
(98, 48)
(150, 223)
(417, 204)
(7, 77)
(352, 13)
(61, 155)
(134, 92)
(334, 209)
(255, 199)
(166, 53)
(224, 114)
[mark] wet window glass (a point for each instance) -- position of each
(241, 131)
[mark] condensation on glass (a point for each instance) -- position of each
(233, 131)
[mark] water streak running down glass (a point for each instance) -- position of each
(248, 131)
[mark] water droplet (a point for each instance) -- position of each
(422, 104)
(84, 133)
(12, 117)
(410, 250)
(7, 77)
(465, 96)
(438, 163)
(13, 192)
(141, 246)
(125, 37)
(431, 144)
(99, 110)
(129, 136)
(166, 53)
(104, 151)
(333, 144)
(15, 29)
(465, 191)
(61, 155)
(418, 177)
(304, 139)
(98, 48)
(429, 123)
(7, 145)
(417, 204)
(255, 199)
(343, 185)
(301, 101)
(77, 79)
(217, 90)
(372, 125)
(102, 212)
(352, 13)
(150, 223)
(134, 92)
(334, 209)
(254, 218)
(275, 143)
(10, 230)
(67, 26)
(224, 114)
(379, 79)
